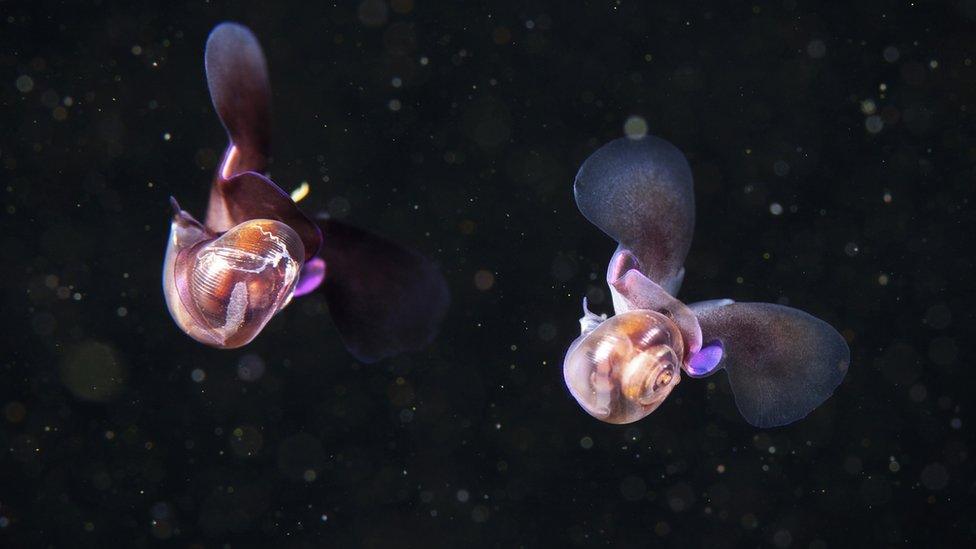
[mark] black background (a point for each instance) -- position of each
(476, 441)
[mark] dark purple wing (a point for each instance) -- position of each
(639, 191)
(238, 80)
(782, 362)
(251, 195)
(383, 298)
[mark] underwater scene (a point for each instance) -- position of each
(406, 273)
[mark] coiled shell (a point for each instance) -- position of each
(224, 290)
(623, 369)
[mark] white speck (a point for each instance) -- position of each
(781, 168)
(463, 495)
(198, 375)
(874, 124)
(635, 127)
(816, 49)
(250, 367)
(776, 208)
(167, 136)
(24, 83)
(891, 54)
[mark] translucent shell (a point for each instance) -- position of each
(228, 288)
(623, 369)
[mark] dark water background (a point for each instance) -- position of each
(856, 120)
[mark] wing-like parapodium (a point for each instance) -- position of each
(639, 191)
(237, 76)
(385, 299)
(782, 362)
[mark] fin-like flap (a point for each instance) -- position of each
(237, 76)
(384, 299)
(639, 191)
(782, 362)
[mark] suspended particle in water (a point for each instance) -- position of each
(781, 168)
(24, 83)
(484, 280)
(250, 367)
(891, 54)
(874, 123)
(816, 49)
(635, 127)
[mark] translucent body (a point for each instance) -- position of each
(227, 289)
(626, 366)
(782, 363)
(226, 277)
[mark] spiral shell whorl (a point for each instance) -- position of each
(623, 369)
(233, 285)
